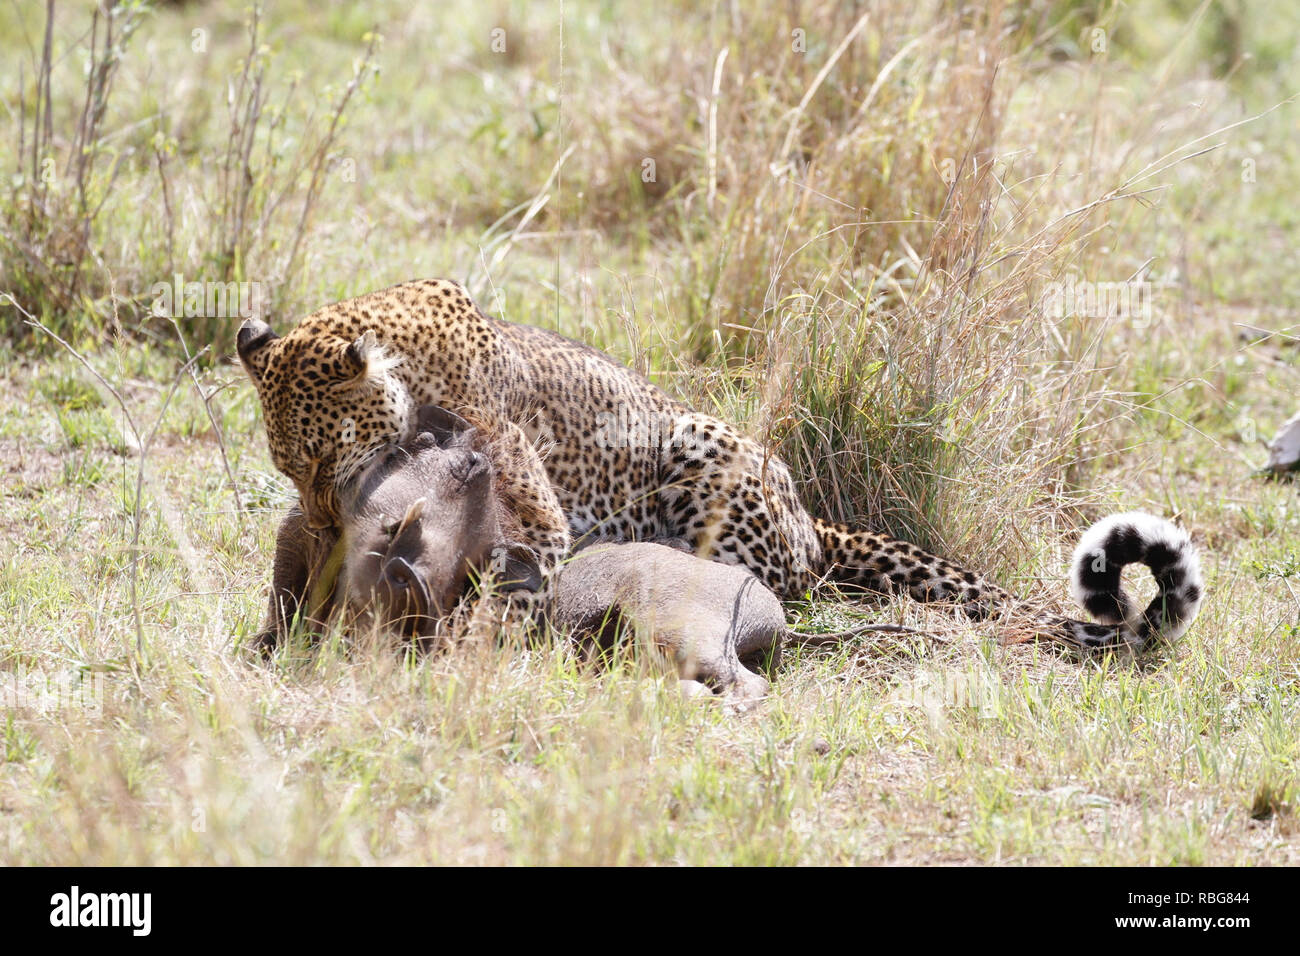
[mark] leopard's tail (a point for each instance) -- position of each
(882, 563)
(1138, 538)
(879, 562)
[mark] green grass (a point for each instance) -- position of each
(884, 331)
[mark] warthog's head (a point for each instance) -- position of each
(421, 524)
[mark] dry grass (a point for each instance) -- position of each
(845, 248)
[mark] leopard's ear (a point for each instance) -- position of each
(363, 359)
(251, 342)
(355, 358)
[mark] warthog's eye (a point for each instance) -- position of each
(390, 528)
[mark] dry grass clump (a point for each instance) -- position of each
(106, 203)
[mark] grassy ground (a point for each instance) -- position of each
(845, 246)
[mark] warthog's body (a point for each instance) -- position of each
(716, 623)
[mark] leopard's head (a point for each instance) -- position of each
(330, 405)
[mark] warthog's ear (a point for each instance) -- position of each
(519, 568)
(251, 342)
(442, 424)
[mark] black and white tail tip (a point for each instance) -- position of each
(1135, 537)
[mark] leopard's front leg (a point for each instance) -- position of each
(518, 587)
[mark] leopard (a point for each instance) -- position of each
(628, 462)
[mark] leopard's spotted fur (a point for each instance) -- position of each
(626, 461)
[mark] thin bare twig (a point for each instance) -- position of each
(142, 442)
(206, 397)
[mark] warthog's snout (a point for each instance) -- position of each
(470, 468)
